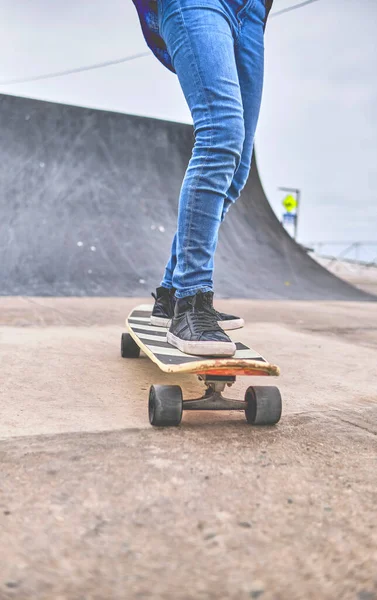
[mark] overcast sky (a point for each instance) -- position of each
(318, 126)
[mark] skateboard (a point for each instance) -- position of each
(262, 404)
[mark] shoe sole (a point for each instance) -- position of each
(231, 324)
(226, 349)
(160, 321)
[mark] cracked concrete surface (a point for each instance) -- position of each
(96, 505)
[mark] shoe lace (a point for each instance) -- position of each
(204, 321)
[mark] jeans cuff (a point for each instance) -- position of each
(166, 284)
(192, 291)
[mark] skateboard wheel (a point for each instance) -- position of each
(128, 347)
(264, 405)
(165, 405)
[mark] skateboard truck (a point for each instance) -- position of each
(213, 398)
(262, 404)
(217, 382)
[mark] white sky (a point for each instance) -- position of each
(318, 126)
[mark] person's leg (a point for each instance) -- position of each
(200, 41)
(217, 110)
(249, 56)
(164, 299)
(167, 281)
(249, 53)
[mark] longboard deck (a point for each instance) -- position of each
(152, 341)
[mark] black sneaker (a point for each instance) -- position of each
(194, 328)
(225, 321)
(163, 309)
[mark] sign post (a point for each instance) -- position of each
(291, 204)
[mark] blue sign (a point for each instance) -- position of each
(289, 218)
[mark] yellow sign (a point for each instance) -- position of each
(289, 203)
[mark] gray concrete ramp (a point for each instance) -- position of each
(88, 207)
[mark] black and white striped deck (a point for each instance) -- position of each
(154, 338)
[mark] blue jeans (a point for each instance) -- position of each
(217, 50)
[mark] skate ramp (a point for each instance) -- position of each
(88, 207)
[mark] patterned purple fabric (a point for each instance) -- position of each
(148, 16)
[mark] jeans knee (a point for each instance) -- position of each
(233, 134)
(226, 138)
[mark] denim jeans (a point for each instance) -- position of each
(217, 50)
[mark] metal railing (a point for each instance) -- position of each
(350, 252)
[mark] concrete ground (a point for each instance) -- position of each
(97, 505)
